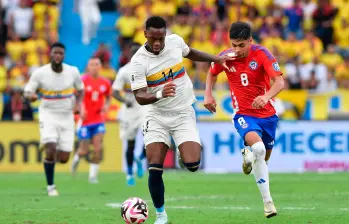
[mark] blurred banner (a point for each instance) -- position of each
(296, 104)
(299, 147)
(19, 149)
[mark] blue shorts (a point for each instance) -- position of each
(265, 127)
(88, 131)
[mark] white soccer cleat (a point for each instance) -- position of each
(179, 159)
(269, 209)
(161, 218)
(247, 157)
(93, 180)
(52, 192)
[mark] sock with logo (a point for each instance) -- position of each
(261, 172)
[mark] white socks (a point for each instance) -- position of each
(261, 172)
(93, 170)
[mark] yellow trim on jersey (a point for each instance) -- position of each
(158, 77)
(56, 94)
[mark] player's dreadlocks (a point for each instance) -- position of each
(240, 31)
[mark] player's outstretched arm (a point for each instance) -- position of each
(209, 101)
(196, 55)
(143, 97)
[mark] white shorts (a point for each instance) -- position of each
(57, 128)
(130, 128)
(159, 127)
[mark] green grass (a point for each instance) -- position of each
(193, 198)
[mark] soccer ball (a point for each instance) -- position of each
(134, 210)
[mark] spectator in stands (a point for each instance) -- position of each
(313, 73)
(341, 35)
(21, 21)
(182, 27)
(295, 19)
(17, 108)
(103, 53)
(293, 74)
(90, 16)
(3, 73)
(323, 17)
(331, 58)
(342, 73)
(3, 27)
(18, 75)
(127, 26)
(308, 7)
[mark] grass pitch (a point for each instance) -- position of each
(191, 198)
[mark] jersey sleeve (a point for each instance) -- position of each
(119, 81)
(183, 46)
(33, 83)
(216, 69)
(78, 83)
(138, 75)
(270, 64)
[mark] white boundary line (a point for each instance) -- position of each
(215, 197)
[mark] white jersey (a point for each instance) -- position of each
(123, 83)
(154, 71)
(55, 89)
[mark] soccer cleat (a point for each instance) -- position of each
(161, 218)
(140, 171)
(269, 209)
(130, 180)
(93, 180)
(52, 192)
(179, 159)
(246, 165)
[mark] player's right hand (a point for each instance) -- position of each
(169, 90)
(210, 103)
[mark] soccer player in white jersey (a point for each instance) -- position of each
(56, 83)
(158, 78)
(132, 118)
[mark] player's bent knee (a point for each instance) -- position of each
(258, 150)
(63, 160)
(192, 167)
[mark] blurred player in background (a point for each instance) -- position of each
(91, 126)
(159, 79)
(56, 83)
(249, 77)
(132, 119)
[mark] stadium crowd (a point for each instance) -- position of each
(308, 37)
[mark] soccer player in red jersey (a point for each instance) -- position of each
(91, 126)
(255, 119)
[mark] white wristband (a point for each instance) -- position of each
(159, 94)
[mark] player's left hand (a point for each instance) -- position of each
(259, 102)
(222, 60)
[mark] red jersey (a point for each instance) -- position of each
(248, 78)
(96, 91)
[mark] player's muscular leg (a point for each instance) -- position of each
(63, 157)
(97, 146)
(191, 155)
(156, 152)
(83, 147)
(50, 149)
